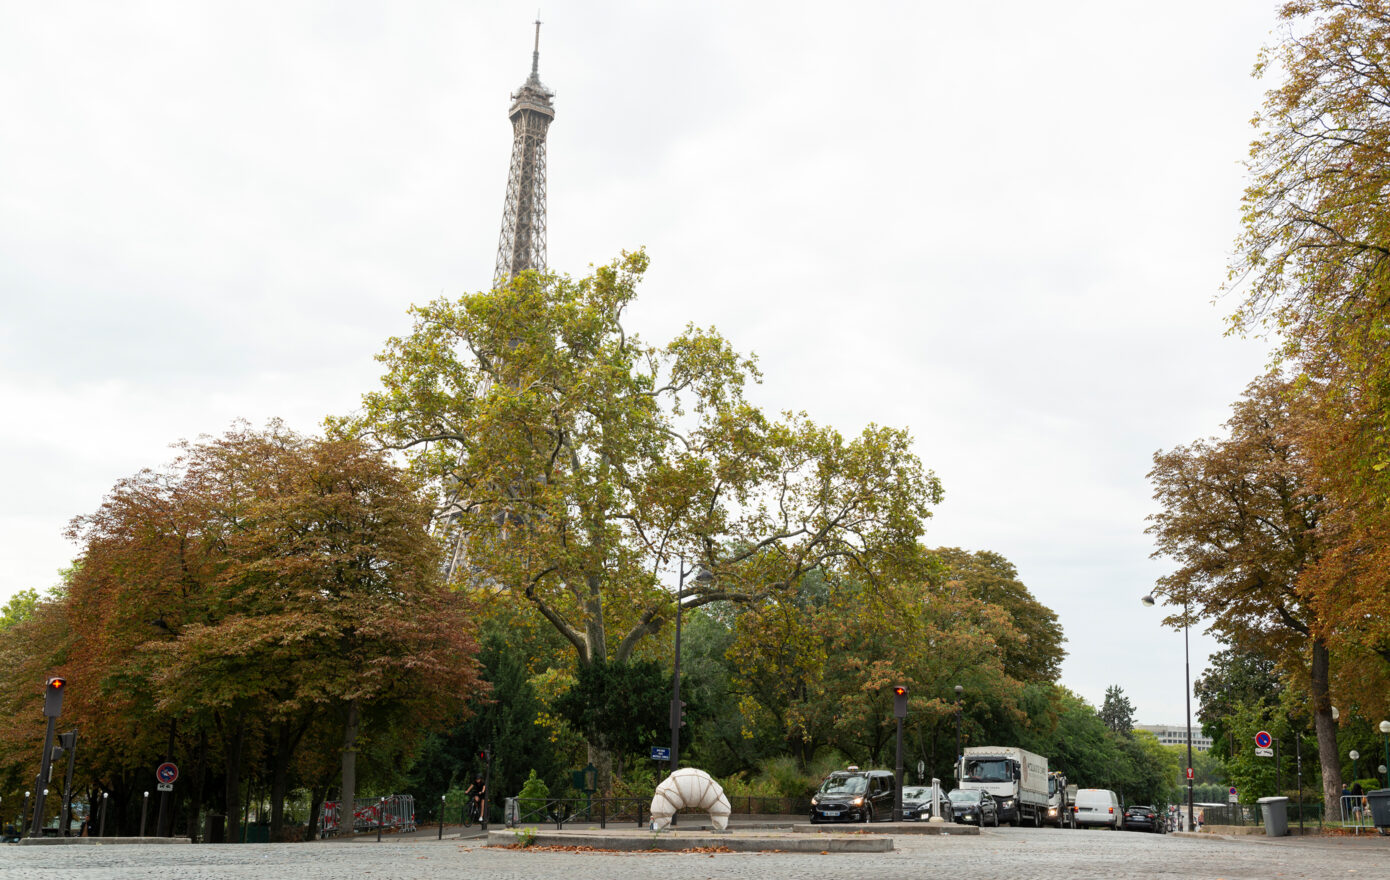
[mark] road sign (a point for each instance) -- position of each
(660, 754)
(165, 786)
(1262, 739)
(167, 773)
(1231, 796)
(1264, 753)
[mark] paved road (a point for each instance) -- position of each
(997, 854)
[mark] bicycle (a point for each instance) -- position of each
(473, 812)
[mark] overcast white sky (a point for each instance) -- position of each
(1002, 225)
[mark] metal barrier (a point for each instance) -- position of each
(395, 813)
(1356, 813)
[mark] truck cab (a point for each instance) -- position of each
(1016, 778)
(1059, 800)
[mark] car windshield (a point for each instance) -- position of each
(964, 796)
(987, 770)
(844, 785)
(1051, 787)
(916, 793)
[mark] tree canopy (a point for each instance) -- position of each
(579, 464)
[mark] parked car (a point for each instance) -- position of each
(971, 806)
(917, 804)
(1142, 818)
(854, 795)
(1099, 807)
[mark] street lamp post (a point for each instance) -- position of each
(702, 576)
(959, 690)
(1187, 695)
(1385, 734)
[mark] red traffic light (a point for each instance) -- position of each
(57, 682)
(899, 691)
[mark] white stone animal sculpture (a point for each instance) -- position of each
(689, 788)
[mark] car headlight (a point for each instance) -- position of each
(1051, 811)
(858, 802)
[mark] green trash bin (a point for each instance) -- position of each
(1380, 807)
(1276, 810)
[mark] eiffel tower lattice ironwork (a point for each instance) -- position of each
(521, 245)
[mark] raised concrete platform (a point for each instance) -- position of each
(629, 840)
(97, 841)
(891, 828)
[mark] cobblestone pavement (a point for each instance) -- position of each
(1005, 853)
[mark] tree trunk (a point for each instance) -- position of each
(195, 801)
(231, 749)
(1327, 733)
(349, 786)
(602, 759)
(279, 780)
(316, 797)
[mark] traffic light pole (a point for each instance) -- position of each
(69, 745)
(41, 784)
(898, 787)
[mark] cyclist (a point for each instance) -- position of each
(477, 803)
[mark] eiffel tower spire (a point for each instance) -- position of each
(522, 243)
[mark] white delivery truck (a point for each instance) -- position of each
(1016, 778)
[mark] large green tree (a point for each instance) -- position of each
(578, 464)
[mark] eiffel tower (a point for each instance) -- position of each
(521, 245)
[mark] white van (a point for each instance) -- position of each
(1097, 806)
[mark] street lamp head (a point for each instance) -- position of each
(1148, 600)
(1354, 755)
(1335, 713)
(959, 690)
(1385, 727)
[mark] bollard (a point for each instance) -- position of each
(102, 832)
(442, 798)
(380, 817)
(144, 809)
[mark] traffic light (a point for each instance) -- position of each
(482, 755)
(899, 701)
(677, 713)
(53, 696)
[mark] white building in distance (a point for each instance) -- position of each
(1176, 735)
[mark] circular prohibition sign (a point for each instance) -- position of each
(1262, 739)
(167, 773)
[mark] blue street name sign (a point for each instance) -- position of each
(660, 754)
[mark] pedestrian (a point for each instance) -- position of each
(1358, 801)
